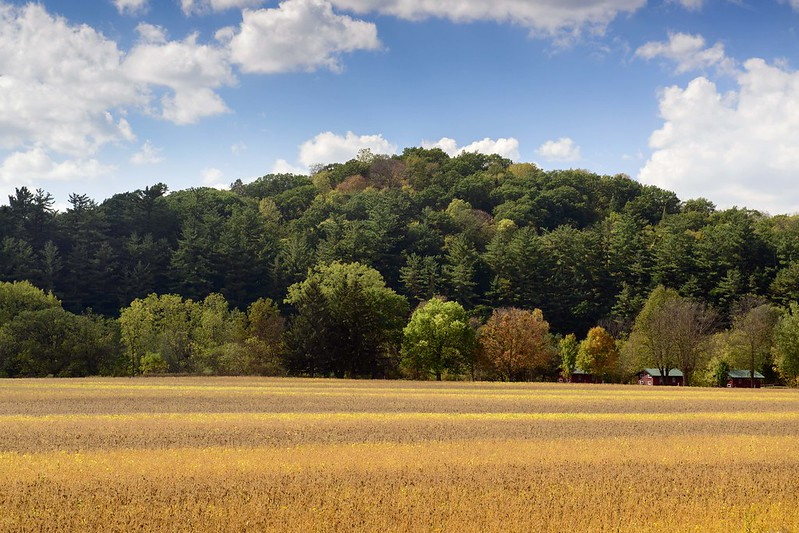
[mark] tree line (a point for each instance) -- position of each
(476, 231)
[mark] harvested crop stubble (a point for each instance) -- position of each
(315, 455)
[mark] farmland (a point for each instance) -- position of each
(274, 454)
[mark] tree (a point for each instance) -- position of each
(460, 269)
(360, 320)
(514, 342)
(786, 344)
(265, 329)
(569, 349)
(54, 342)
(672, 332)
(21, 296)
(420, 276)
(650, 337)
(438, 339)
(752, 336)
(598, 354)
(691, 324)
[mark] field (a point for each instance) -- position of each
(230, 454)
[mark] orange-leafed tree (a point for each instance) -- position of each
(515, 343)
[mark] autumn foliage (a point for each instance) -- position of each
(515, 343)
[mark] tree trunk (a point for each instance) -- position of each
(438, 375)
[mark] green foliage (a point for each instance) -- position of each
(786, 345)
(348, 322)
(21, 296)
(54, 342)
(598, 353)
(569, 350)
(438, 340)
(478, 229)
(153, 363)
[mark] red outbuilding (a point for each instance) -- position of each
(653, 377)
(578, 376)
(742, 379)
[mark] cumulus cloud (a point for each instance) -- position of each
(688, 52)
(35, 164)
(149, 33)
(299, 35)
(198, 7)
(59, 85)
(282, 166)
(691, 5)
(148, 155)
(736, 148)
(508, 148)
(540, 16)
(189, 69)
(328, 147)
(564, 149)
(213, 177)
(131, 7)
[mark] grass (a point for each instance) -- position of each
(226, 454)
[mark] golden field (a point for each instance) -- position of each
(251, 454)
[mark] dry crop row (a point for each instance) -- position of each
(311, 455)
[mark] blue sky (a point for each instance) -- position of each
(696, 96)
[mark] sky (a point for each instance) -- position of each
(700, 97)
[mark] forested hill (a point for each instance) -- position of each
(476, 229)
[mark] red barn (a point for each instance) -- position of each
(742, 379)
(653, 377)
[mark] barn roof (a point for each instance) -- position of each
(655, 373)
(743, 374)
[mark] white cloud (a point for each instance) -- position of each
(299, 35)
(282, 166)
(508, 148)
(540, 16)
(688, 52)
(328, 147)
(691, 5)
(28, 167)
(148, 155)
(238, 148)
(564, 149)
(149, 33)
(738, 148)
(131, 7)
(197, 7)
(60, 84)
(189, 69)
(212, 177)
(793, 3)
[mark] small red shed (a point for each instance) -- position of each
(742, 379)
(578, 376)
(653, 377)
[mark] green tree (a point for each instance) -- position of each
(569, 349)
(420, 276)
(460, 269)
(21, 296)
(360, 320)
(752, 335)
(786, 345)
(598, 353)
(438, 339)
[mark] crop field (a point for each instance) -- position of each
(246, 454)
